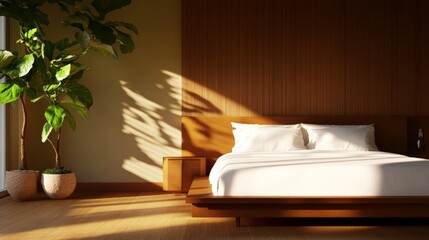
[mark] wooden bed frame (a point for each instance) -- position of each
(211, 137)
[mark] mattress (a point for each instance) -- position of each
(319, 173)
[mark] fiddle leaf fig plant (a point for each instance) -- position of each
(17, 70)
(50, 69)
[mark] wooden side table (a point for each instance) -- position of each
(178, 172)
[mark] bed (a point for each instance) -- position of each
(391, 196)
(321, 173)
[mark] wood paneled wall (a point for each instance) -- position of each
(305, 57)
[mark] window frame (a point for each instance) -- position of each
(2, 112)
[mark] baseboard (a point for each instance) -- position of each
(119, 187)
(3, 194)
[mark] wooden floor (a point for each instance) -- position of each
(166, 216)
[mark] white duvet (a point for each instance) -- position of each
(319, 173)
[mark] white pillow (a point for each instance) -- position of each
(256, 137)
(339, 137)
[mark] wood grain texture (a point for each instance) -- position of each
(305, 57)
(179, 172)
(113, 216)
(118, 187)
(423, 59)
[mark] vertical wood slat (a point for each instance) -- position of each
(423, 60)
(305, 57)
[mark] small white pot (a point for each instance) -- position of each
(21, 184)
(59, 186)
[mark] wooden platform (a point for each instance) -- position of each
(204, 204)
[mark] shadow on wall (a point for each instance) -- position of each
(200, 105)
(201, 100)
(197, 105)
(153, 124)
(135, 123)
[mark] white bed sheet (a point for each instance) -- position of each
(319, 173)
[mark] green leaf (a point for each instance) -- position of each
(64, 58)
(126, 42)
(37, 98)
(128, 26)
(80, 94)
(103, 49)
(21, 67)
(76, 105)
(9, 92)
(38, 77)
(78, 19)
(62, 44)
(75, 76)
(31, 92)
(69, 58)
(11, 72)
(46, 131)
(50, 87)
(27, 15)
(30, 33)
(55, 115)
(49, 49)
(62, 6)
(103, 7)
(102, 32)
(24, 65)
(70, 120)
(63, 72)
(77, 71)
(83, 39)
(6, 58)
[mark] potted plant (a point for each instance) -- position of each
(20, 72)
(21, 184)
(59, 72)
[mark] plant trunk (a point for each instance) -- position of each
(57, 150)
(23, 160)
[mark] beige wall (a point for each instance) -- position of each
(135, 119)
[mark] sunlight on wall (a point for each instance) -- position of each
(154, 125)
(152, 117)
(142, 169)
(175, 80)
(199, 100)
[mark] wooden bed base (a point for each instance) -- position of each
(204, 204)
(210, 136)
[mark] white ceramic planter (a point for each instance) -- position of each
(59, 186)
(21, 184)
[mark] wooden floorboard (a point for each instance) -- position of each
(163, 216)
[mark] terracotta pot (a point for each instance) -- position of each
(21, 184)
(59, 186)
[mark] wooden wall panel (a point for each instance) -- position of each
(368, 44)
(423, 59)
(305, 57)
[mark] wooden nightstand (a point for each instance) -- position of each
(178, 172)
